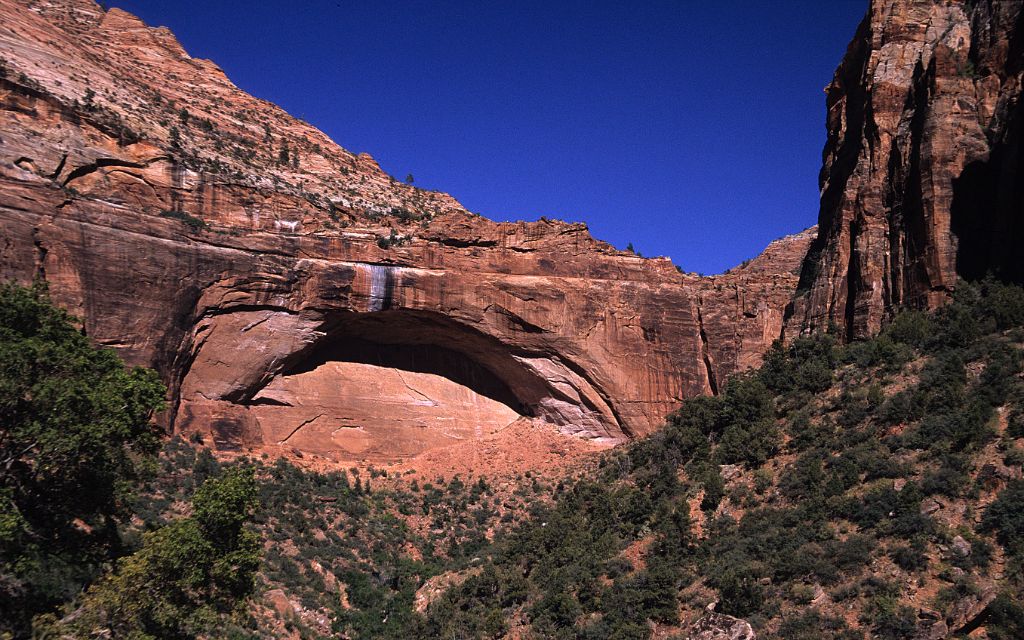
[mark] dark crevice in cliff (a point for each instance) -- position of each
(60, 167)
(218, 311)
(100, 163)
(269, 402)
(300, 425)
(705, 349)
(13, 101)
(852, 284)
(987, 212)
(914, 228)
(41, 252)
(514, 320)
(903, 198)
(893, 203)
(464, 244)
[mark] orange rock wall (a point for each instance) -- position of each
(255, 288)
(921, 182)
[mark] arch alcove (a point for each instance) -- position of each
(382, 385)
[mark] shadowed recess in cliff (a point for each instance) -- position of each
(415, 357)
(987, 213)
(531, 384)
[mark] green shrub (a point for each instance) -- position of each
(1014, 457)
(1015, 423)
(711, 480)
(1006, 618)
(1002, 303)
(1005, 517)
(806, 365)
(185, 573)
(739, 588)
(912, 328)
(812, 625)
(76, 437)
(910, 557)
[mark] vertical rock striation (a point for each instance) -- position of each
(921, 181)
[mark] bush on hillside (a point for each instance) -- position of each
(76, 435)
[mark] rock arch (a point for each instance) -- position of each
(381, 384)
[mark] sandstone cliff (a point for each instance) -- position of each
(293, 294)
(921, 179)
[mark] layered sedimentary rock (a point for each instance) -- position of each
(743, 310)
(291, 293)
(921, 182)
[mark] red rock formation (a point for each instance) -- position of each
(921, 177)
(742, 311)
(320, 303)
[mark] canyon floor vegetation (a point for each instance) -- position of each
(870, 489)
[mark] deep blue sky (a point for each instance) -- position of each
(691, 129)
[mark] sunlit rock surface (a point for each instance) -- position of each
(155, 198)
(921, 182)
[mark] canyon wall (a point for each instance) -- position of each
(921, 179)
(292, 294)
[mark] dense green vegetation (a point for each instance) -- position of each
(836, 492)
(349, 548)
(184, 574)
(831, 453)
(75, 434)
(76, 441)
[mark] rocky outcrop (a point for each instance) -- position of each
(921, 180)
(292, 294)
(718, 626)
(742, 311)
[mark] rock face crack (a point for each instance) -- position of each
(101, 163)
(705, 350)
(432, 402)
(60, 167)
(41, 252)
(302, 424)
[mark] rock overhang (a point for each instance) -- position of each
(202, 256)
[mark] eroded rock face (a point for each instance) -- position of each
(354, 410)
(318, 303)
(921, 180)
